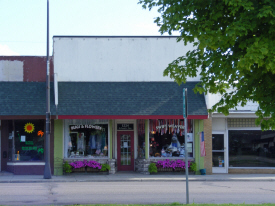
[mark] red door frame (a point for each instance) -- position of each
(125, 167)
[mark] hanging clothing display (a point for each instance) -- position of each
(92, 141)
(80, 142)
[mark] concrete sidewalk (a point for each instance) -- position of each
(132, 176)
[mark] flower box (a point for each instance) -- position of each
(90, 169)
(178, 169)
(82, 169)
(165, 169)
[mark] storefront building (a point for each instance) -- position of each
(238, 144)
(22, 114)
(131, 138)
(110, 103)
(115, 106)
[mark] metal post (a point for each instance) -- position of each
(47, 169)
(185, 106)
(186, 160)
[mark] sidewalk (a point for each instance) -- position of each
(132, 176)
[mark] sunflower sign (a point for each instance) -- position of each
(29, 127)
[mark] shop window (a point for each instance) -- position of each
(26, 140)
(141, 138)
(167, 138)
(87, 141)
(251, 148)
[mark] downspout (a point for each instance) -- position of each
(56, 93)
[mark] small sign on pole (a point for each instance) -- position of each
(184, 103)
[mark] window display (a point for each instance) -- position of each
(141, 138)
(167, 138)
(26, 140)
(88, 141)
(251, 148)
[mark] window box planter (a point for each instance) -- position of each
(90, 169)
(165, 169)
(82, 170)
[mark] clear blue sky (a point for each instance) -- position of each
(23, 22)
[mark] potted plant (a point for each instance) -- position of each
(152, 168)
(67, 168)
(193, 168)
(105, 167)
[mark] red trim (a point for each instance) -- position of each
(131, 117)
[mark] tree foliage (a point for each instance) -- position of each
(234, 47)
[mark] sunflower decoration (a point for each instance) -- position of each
(29, 127)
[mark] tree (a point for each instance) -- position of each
(234, 47)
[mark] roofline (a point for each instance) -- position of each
(131, 117)
(64, 36)
(11, 117)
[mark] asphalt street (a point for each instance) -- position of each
(132, 192)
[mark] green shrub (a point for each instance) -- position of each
(193, 167)
(105, 167)
(152, 168)
(67, 168)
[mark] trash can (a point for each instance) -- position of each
(203, 171)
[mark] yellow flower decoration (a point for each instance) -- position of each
(29, 127)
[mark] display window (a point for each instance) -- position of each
(167, 138)
(26, 140)
(89, 141)
(141, 138)
(251, 148)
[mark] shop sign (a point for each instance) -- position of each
(125, 126)
(86, 126)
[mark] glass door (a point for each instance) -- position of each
(125, 150)
(219, 160)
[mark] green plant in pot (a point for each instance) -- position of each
(105, 167)
(152, 168)
(193, 167)
(67, 168)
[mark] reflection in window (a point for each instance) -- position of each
(167, 138)
(251, 148)
(88, 141)
(26, 141)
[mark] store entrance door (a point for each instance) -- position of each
(125, 150)
(219, 157)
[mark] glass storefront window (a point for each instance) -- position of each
(251, 148)
(88, 141)
(141, 138)
(167, 139)
(26, 140)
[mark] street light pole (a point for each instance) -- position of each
(47, 169)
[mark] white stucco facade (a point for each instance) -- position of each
(11, 70)
(212, 99)
(115, 59)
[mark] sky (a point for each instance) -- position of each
(23, 23)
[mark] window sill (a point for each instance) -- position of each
(25, 163)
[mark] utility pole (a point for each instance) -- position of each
(47, 169)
